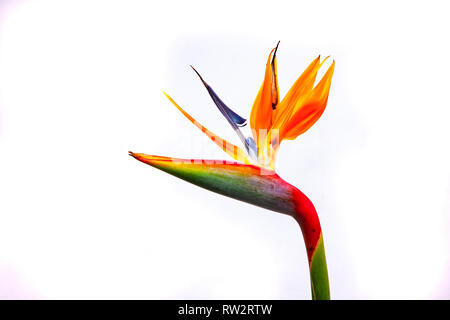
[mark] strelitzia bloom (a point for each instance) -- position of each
(251, 177)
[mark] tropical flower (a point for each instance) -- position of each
(252, 178)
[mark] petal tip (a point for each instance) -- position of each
(275, 50)
(198, 74)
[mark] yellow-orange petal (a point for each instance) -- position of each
(310, 110)
(234, 151)
(299, 89)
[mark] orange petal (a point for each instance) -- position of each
(310, 110)
(261, 114)
(234, 151)
(275, 92)
(303, 85)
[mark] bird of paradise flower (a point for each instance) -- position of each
(252, 178)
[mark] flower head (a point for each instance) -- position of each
(272, 120)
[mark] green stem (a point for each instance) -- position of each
(309, 223)
(320, 288)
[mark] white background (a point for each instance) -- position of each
(81, 84)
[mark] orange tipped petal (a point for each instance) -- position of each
(234, 151)
(311, 109)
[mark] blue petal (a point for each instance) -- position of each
(251, 148)
(233, 118)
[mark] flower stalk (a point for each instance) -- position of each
(262, 188)
(252, 178)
